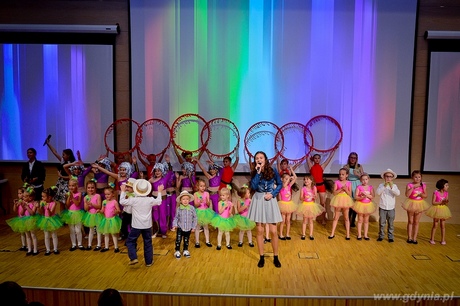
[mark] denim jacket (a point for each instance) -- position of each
(261, 185)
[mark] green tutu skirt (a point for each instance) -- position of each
(92, 220)
(205, 216)
(243, 223)
(110, 225)
(49, 224)
(224, 224)
(21, 224)
(72, 216)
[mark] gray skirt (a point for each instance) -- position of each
(263, 211)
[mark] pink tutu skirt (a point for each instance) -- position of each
(364, 208)
(439, 212)
(342, 200)
(415, 206)
(287, 207)
(310, 209)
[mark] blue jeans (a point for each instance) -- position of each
(131, 243)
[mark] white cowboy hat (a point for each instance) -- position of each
(142, 188)
(389, 171)
(131, 181)
(183, 194)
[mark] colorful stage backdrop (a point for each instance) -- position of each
(281, 61)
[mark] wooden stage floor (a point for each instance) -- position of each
(315, 269)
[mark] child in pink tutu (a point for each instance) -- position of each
(49, 221)
(241, 219)
(308, 207)
(92, 218)
(205, 214)
(341, 201)
(73, 215)
(111, 222)
(224, 220)
(439, 211)
(286, 204)
(415, 205)
(16, 222)
(364, 207)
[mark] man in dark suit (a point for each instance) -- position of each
(33, 173)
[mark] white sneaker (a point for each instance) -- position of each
(177, 254)
(186, 254)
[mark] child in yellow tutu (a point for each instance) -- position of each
(415, 205)
(364, 207)
(308, 207)
(287, 206)
(341, 201)
(440, 212)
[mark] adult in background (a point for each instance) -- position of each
(141, 223)
(354, 171)
(264, 209)
(33, 173)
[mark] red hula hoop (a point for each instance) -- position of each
(111, 128)
(248, 137)
(235, 131)
(313, 121)
(174, 133)
(139, 137)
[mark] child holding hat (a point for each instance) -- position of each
(184, 222)
(388, 191)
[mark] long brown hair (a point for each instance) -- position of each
(268, 173)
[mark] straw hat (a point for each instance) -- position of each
(183, 194)
(389, 171)
(130, 182)
(142, 188)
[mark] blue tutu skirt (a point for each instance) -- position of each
(110, 225)
(205, 216)
(243, 223)
(49, 224)
(224, 224)
(72, 216)
(91, 220)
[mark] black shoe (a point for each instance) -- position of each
(117, 250)
(312, 238)
(88, 248)
(391, 240)
(352, 225)
(281, 238)
(379, 239)
(367, 238)
(28, 253)
(104, 250)
(197, 245)
(229, 247)
(47, 253)
(288, 238)
(261, 262)
(302, 237)
(251, 244)
(347, 238)
(73, 248)
(409, 241)
(330, 237)
(266, 240)
(359, 238)
(35, 253)
(218, 248)
(277, 262)
(97, 248)
(208, 244)
(23, 248)
(415, 242)
(81, 247)
(56, 252)
(240, 244)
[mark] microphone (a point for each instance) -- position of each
(47, 139)
(258, 167)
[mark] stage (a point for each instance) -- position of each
(326, 272)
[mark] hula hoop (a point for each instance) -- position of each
(308, 132)
(210, 129)
(288, 128)
(120, 124)
(187, 119)
(150, 124)
(252, 134)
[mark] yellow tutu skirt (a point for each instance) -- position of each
(310, 209)
(342, 200)
(439, 212)
(415, 206)
(287, 207)
(364, 208)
